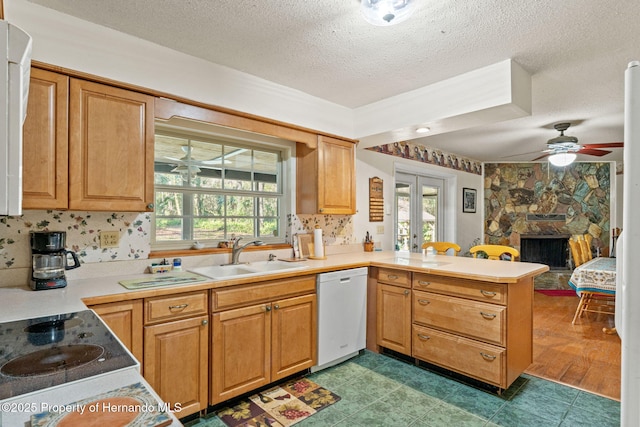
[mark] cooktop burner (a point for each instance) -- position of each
(49, 351)
(52, 360)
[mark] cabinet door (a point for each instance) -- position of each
(176, 363)
(110, 148)
(336, 176)
(241, 343)
(45, 148)
(326, 180)
(125, 320)
(294, 335)
(394, 318)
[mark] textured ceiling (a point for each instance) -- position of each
(575, 50)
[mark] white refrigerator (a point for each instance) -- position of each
(628, 272)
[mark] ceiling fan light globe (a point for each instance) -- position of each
(384, 13)
(562, 159)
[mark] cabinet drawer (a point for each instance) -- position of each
(472, 358)
(175, 306)
(394, 277)
(238, 296)
(479, 291)
(473, 319)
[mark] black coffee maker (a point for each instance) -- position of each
(50, 260)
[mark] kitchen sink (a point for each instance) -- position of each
(250, 269)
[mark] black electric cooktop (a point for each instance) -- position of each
(49, 351)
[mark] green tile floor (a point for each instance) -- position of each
(378, 390)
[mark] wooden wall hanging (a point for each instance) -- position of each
(376, 200)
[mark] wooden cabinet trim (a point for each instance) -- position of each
(125, 320)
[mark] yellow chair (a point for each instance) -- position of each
(495, 251)
(442, 247)
(576, 252)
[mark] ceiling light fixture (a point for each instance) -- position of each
(562, 159)
(384, 13)
(422, 129)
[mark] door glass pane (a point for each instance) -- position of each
(429, 214)
(403, 217)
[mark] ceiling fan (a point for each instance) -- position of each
(562, 149)
(187, 165)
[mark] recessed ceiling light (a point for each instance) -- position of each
(422, 129)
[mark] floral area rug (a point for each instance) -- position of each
(283, 405)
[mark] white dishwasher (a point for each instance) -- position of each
(342, 316)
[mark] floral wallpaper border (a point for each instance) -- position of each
(424, 154)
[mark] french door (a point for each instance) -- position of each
(418, 211)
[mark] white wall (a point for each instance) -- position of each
(461, 228)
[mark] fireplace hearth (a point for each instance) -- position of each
(549, 249)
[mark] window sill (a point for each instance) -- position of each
(208, 251)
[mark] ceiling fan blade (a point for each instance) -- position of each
(604, 145)
(593, 152)
(540, 157)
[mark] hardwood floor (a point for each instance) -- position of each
(579, 355)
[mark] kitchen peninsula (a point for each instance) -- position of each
(410, 297)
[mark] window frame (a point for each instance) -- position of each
(241, 139)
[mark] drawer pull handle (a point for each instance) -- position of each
(488, 356)
(178, 307)
(488, 315)
(392, 276)
(406, 292)
(488, 293)
(424, 301)
(424, 337)
(423, 283)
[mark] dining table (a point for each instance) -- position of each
(595, 277)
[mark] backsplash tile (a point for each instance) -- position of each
(83, 230)
(82, 235)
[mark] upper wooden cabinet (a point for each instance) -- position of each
(326, 180)
(87, 146)
(110, 148)
(45, 151)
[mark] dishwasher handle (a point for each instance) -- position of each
(345, 279)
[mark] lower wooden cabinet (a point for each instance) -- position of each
(176, 349)
(176, 358)
(394, 318)
(393, 313)
(125, 320)
(255, 345)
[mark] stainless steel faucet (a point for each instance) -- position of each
(235, 250)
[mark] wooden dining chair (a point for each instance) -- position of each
(576, 252)
(442, 248)
(496, 252)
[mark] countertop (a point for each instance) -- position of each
(21, 302)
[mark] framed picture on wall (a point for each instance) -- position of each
(469, 196)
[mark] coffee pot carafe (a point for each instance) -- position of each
(50, 260)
